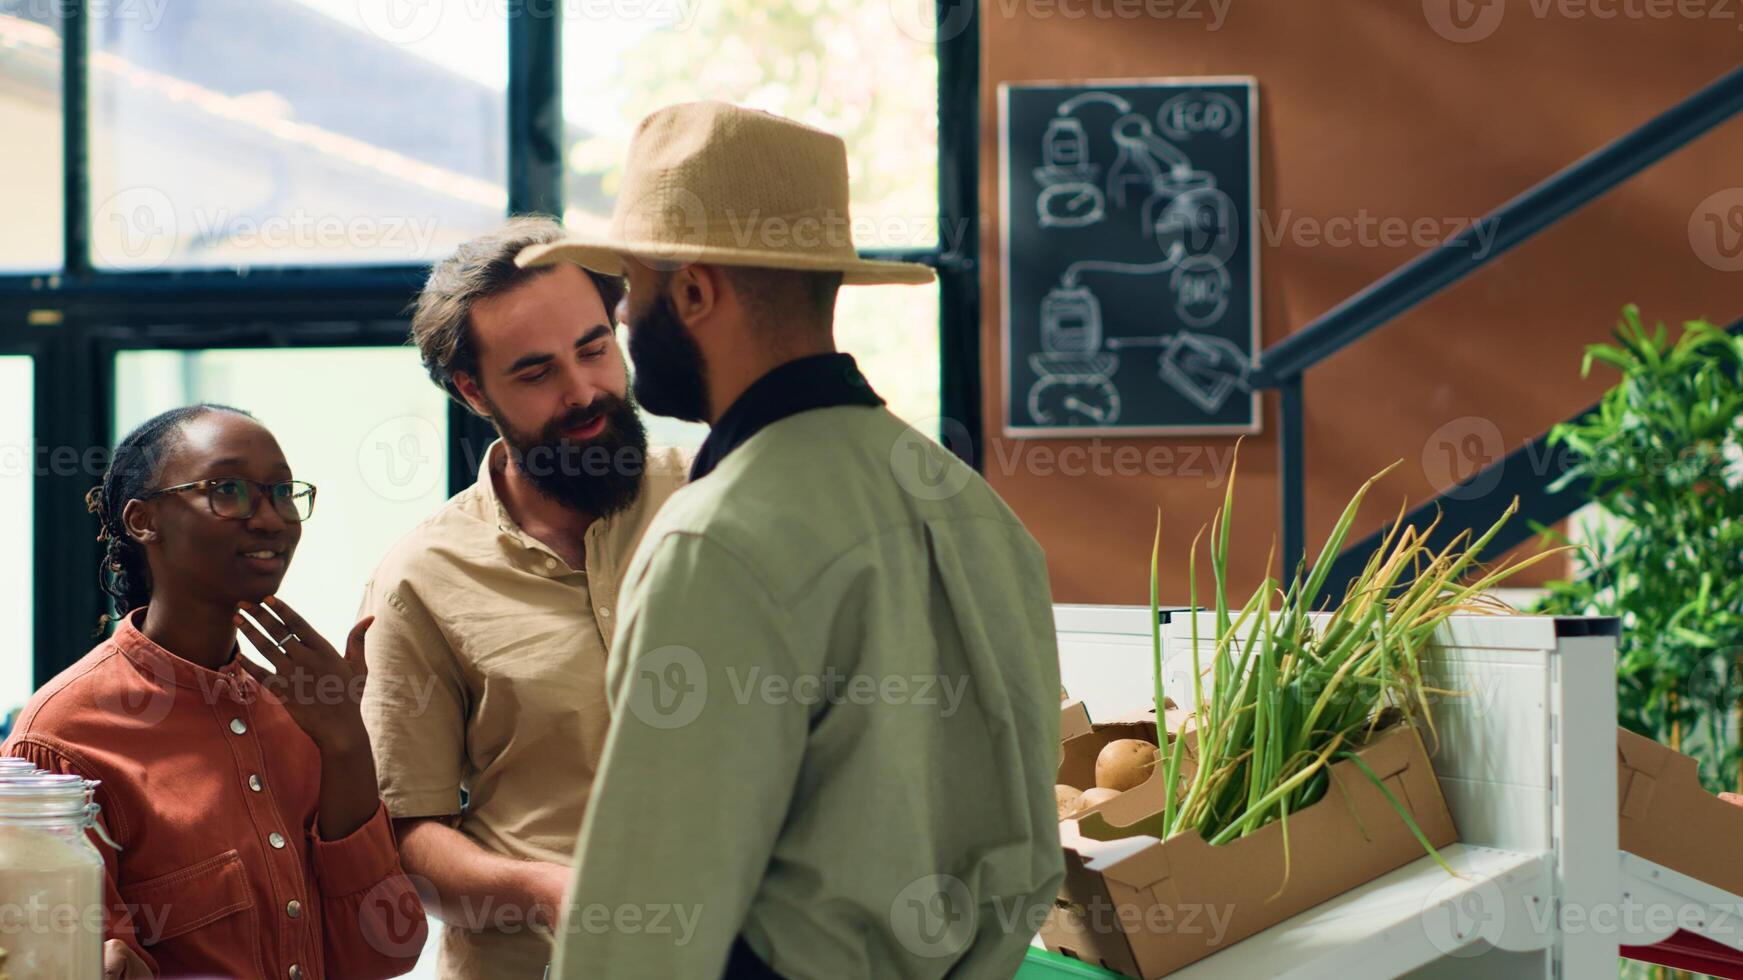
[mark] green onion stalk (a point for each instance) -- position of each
(1286, 700)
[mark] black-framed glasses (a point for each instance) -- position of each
(237, 499)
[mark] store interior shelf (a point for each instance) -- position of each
(1401, 921)
(1670, 918)
(1389, 927)
(1524, 748)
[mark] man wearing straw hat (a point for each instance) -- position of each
(834, 733)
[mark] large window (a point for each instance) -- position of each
(294, 132)
(364, 425)
(843, 65)
(18, 464)
(30, 116)
(235, 201)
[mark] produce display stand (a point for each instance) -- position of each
(1712, 943)
(1527, 761)
(1679, 861)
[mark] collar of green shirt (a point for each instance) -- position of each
(818, 381)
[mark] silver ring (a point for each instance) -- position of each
(288, 638)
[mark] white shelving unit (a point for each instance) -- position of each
(1527, 763)
(1657, 902)
(1405, 921)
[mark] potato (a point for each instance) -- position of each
(1064, 796)
(1124, 763)
(1091, 797)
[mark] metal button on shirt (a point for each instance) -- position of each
(215, 807)
(293, 908)
(295, 972)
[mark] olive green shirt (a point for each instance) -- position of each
(834, 724)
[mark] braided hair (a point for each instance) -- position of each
(124, 574)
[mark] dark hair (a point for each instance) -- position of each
(479, 269)
(133, 468)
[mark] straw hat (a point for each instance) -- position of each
(712, 182)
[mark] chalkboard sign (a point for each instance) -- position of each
(1130, 263)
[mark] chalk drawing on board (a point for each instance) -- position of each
(1072, 104)
(1069, 196)
(1070, 205)
(1140, 237)
(1140, 159)
(1074, 389)
(1199, 113)
(1191, 212)
(1201, 287)
(1074, 380)
(1074, 374)
(1070, 320)
(1204, 368)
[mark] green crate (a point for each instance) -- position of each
(1043, 965)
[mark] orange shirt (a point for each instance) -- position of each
(212, 790)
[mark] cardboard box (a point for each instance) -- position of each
(1073, 720)
(1146, 907)
(1665, 816)
(1077, 761)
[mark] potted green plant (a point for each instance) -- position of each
(1661, 458)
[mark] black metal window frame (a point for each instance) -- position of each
(75, 321)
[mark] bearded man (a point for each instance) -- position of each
(493, 618)
(834, 736)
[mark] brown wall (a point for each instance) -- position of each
(1364, 108)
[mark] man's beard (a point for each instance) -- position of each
(599, 476)
(670, 378)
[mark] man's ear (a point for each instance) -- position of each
(140, 522)
(697, 292)
(467, 385)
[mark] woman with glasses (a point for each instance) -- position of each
(250, 839)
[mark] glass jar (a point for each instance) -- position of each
(51, 879)
(12, 770)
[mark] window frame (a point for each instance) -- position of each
(74, 321)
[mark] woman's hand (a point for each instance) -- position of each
(120, 962)
(322, 690)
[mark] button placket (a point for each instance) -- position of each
(264, 816)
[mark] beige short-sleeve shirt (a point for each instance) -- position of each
(487, 673)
